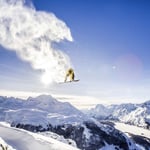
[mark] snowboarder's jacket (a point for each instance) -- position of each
(70, 73)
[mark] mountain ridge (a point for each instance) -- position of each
(45, 113)
(135, 114)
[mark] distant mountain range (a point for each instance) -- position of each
(44, 113)
(135, 114)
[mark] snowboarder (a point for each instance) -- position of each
(70, 73)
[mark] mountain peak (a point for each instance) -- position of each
(47, 108)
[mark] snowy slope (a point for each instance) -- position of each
(136, 114)
(24, 140)
(139, 135)
(132, 129)
(5, 146)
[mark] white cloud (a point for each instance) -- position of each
(81, 102)
(31, 34)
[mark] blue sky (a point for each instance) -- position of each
(110, 51)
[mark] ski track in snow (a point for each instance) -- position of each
(25, 140)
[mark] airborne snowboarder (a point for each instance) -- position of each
(70, 73)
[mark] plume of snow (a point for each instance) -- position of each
(31, 35)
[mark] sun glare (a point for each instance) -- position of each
(46, 79)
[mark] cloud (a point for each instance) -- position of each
(31, 35)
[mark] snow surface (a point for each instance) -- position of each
(136, 131)
(58, 138)
(110, 147)
(132, 129)
(24, 140)
(4, 145)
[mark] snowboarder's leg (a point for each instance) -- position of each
(72, 76)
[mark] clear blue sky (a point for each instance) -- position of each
(110, 51)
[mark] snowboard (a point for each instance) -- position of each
(69, 81)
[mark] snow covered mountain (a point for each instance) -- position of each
(44, 113)
(40, 110)
(135, 114)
